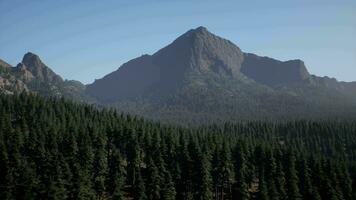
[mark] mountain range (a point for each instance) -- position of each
(198, 78)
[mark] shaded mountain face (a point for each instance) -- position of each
(33, 76)
(201, 77)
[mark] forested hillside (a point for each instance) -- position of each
(56, 149)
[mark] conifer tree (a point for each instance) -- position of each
(205, 179)
(280, 179)
(153, 187)
(270, 173)
(100, 169)
(292, 178)
(168, 191)
(116, 175)
(139, 190)
(241, 186)
(262, 193)
(5, 173)
(305, 184)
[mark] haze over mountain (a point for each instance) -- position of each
(199, 78)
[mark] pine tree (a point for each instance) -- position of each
(305, 184)
(262, 193)
(292, 178)
(205, 180)
(139, 190)
(280, 178)
(116, 176)
(153, 187)
(5, 172)
(83, 185)
(270, 173)
(100, 169)
(241, 186)
(345, 181)
(168, 191)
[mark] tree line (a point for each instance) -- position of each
(57, 149)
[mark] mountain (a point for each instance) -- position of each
(201, 77)
(197, 79)
(164, 72)
(33, 76)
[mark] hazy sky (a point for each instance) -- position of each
(84, 40)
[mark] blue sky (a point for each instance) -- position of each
(84, 40)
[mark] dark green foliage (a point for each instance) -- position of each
(54, 149)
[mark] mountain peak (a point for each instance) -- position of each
(32, 61)
(201, 50)
(198, 32)
(200, 29)
(30, 56)
(38, 68)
